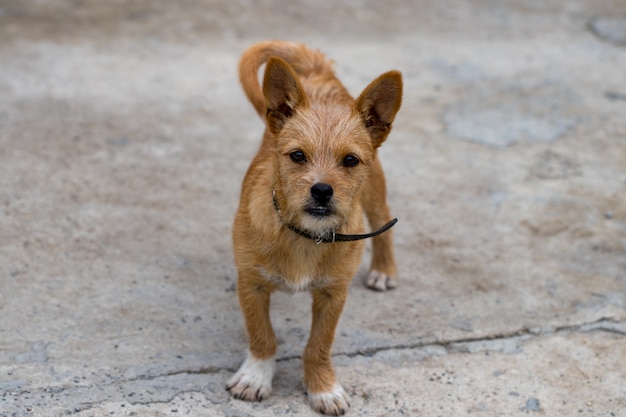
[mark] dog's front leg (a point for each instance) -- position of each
(253, 380)
(325, 394)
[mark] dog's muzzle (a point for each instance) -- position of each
(322, 195)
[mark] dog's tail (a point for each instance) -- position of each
(302, 59)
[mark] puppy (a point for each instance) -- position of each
(300, 219)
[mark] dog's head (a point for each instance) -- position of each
(323, 152)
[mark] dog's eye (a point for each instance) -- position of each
(350, 161)
(298, 157)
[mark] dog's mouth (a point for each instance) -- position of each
(319, 211)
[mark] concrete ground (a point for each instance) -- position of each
(124, 136)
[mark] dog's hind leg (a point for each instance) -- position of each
(383, 271)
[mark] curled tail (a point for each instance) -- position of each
(302, 59)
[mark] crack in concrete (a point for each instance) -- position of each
(209, 370)
(84, 406)
(452, 346)
(606, 324)
(172, 398)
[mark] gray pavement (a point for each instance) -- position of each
(124, 136)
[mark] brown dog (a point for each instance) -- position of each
(302, 203)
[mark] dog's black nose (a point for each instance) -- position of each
(321, 192)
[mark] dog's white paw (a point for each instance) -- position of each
(332, 403)
(253, 380)
(380, 281)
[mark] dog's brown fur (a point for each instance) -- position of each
(307, 110)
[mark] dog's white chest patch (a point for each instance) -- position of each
(303, 283)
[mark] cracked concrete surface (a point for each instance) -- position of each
(124, 137)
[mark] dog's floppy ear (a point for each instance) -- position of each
(283, 93)
(379, 103)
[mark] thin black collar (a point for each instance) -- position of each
(331, 237)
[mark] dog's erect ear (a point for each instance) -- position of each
(283, 93)
(379, 103)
